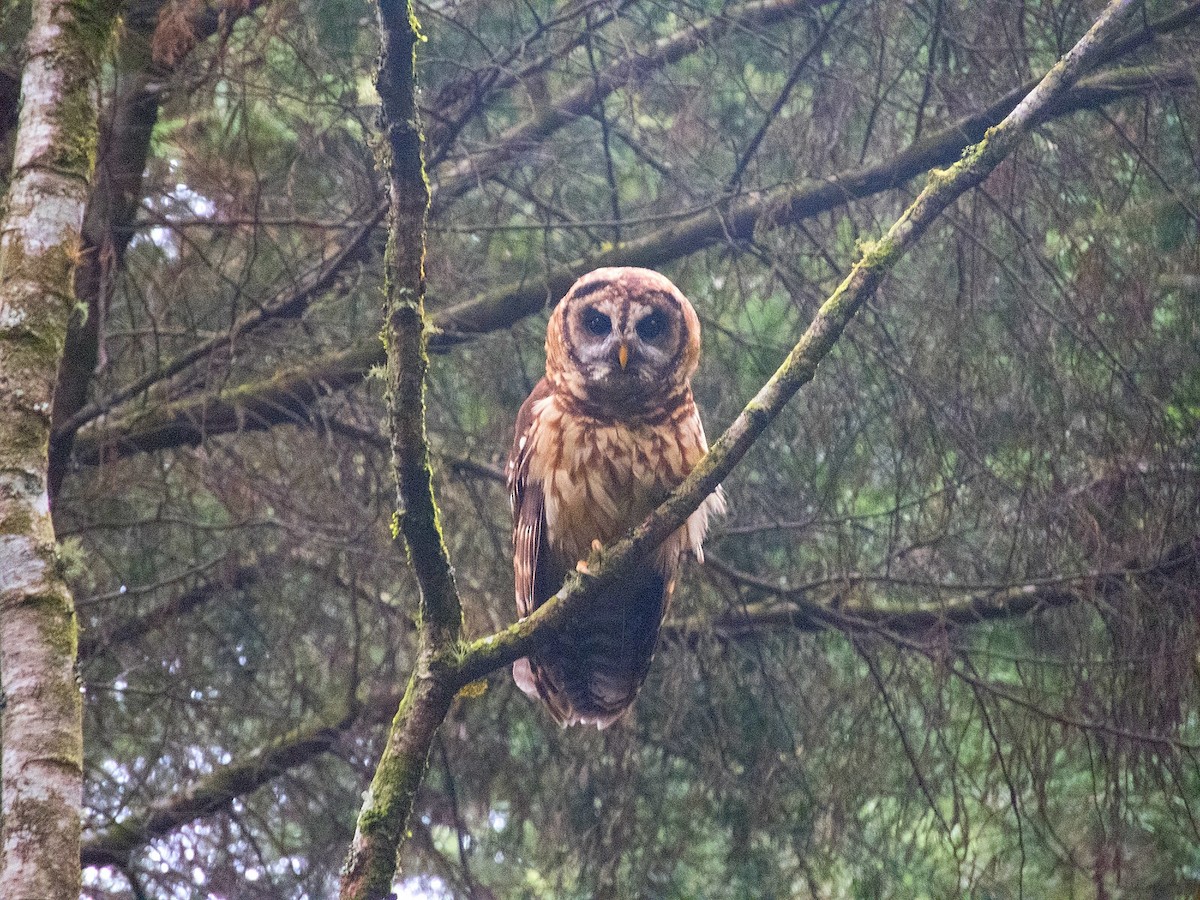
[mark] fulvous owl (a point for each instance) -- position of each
(601, 441)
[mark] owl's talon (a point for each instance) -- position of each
(596, 545)
(582, 567)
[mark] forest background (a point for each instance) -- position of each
(944, 645)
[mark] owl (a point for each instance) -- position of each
(601, 441)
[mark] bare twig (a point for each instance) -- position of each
(280, 398)
(943, 188)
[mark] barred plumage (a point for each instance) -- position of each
(600, 441)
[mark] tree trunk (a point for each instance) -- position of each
(39, 240)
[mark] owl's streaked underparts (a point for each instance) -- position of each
(600, 442)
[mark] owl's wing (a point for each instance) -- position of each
(528, 507)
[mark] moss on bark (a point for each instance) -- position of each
(42, 730)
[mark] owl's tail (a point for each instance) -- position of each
(590, 673)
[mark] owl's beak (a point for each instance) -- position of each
(623, 355)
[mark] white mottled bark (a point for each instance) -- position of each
(41, 792)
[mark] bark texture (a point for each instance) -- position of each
(383, 821)
(42, 732)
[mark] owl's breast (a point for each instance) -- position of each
(601, 478)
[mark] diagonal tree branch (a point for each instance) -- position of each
(113, 845)
(288, 303)
(436, 677)
(286, 397)
(211, 794)
(528, 135)
(942, 189)
(131, 629)
(818, 44)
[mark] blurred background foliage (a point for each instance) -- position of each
(945, 644)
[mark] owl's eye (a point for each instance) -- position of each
(651, 326)
(597, 322)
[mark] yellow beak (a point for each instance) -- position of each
(623, 355)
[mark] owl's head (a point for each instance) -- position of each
(622, 337)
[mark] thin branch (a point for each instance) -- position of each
(460, 829)
(93, 641)
(288, 303)
(460, 463)
(499, 75)
(910, 752)
(526, 136)
(817, 45)
(942, 189)
(114, 844)
(278, 399)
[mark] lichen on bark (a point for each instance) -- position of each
(371, 863)
(53, 156)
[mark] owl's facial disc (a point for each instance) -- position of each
(625, 347)
(624, 339)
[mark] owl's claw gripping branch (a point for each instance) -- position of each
(584, 566)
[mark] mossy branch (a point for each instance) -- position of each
(214, 792)
(286, 397)
(877, 258)
(443, 665)
(382, 822)
(405, 327)
(843, 609)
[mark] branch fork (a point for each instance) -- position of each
(446, 663)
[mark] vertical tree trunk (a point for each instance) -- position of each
(124, 147)
(383, 821)
(42, 732)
